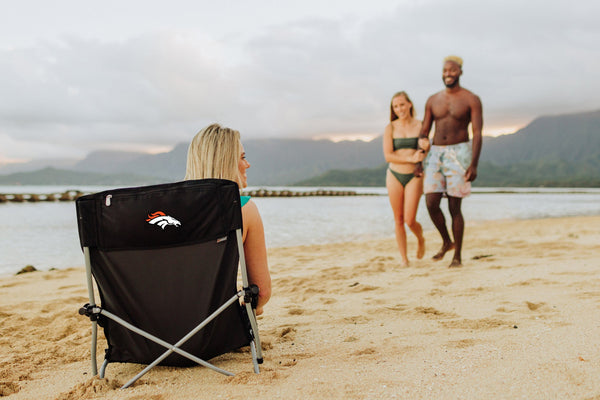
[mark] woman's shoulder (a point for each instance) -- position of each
(249, 207)
(251, 215)
(389, 128)
(418, 125)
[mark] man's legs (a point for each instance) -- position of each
(437, 217)
(458, 227)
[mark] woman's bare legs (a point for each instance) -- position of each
(396, 197)
(412, 195)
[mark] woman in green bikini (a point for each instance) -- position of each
(404, 189)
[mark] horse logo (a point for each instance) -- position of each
(161, 219)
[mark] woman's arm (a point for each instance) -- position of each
(255, 251)
(391, 156)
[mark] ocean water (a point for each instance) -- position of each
(45, 234)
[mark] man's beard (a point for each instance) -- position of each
(452, 84)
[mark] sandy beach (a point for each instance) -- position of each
(520, 320)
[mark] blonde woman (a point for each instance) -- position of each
(217, 152)
(400, 142)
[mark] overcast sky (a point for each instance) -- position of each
(77, 76)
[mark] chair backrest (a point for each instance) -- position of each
(164, 257)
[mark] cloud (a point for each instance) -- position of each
(301, 77)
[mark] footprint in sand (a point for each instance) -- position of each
(359, 319)
(534, 306)
(8, 388)
(327, 300)
(296, 311)
(397, 307)
(250, 378)
(358, 287)
(462, 344)
(365, 352)
(432, 312)
(93, 386)
(534, 281)
(445, 282)
(483, 323)
(539, 307)
(504, 310)
(421, 275)
(287, 333)
(371, 267)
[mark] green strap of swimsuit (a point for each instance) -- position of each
(244, 200)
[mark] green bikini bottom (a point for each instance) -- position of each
(402, 178)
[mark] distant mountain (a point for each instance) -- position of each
(561, 150)
(34, 165)
(168, 166)
(570, 138)
(558, 151)
(106, 161)
(53, 176)
(355, 177)
(285, 161)
(273, 161)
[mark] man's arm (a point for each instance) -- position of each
(426, 125)
(477, 126)
(424, 144)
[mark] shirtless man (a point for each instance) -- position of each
(451, 164)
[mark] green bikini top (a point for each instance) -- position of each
(244, 200)
(406, 143)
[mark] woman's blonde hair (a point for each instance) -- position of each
(214, 153)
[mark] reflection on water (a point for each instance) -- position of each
(45, 234)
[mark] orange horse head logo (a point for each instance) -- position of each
(161, 219)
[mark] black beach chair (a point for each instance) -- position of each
(165, 261)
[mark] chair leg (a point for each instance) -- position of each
(254, 326)
(90, 286)
(254, 357)
(103, 369)
(93, 349)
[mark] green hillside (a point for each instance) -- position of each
(53, 176)
(551, 173)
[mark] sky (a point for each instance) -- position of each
(78, 76)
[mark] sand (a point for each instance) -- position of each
(520, 320)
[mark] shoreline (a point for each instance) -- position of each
(518, 320)
(426, 229)
(73, 191)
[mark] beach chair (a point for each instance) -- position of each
(165, 261)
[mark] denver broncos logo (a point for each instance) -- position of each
(161, 219)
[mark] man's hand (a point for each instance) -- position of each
(418, 172)
(471, 173)
(424, 144)
(418, 156)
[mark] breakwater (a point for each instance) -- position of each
(69, 195)
(72, 195)
(298, 193)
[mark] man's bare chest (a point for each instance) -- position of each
(451, 108)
